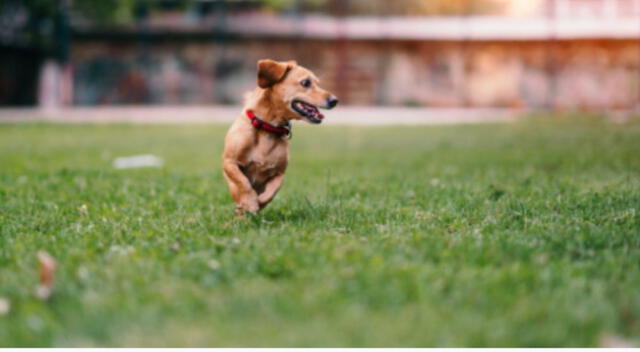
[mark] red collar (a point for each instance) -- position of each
(263, 125)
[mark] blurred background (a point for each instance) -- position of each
(533, 54)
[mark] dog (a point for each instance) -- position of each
(256, 147)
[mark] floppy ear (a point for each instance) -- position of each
(271, 72)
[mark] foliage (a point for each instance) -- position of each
(42, 19)
(384, 7)
(39, 19)
(426, 8)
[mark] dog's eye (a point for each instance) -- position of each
(306, 83)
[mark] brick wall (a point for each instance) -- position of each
(586, 74)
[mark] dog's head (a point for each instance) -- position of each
(296, 88)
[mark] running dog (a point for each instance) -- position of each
(256, 148)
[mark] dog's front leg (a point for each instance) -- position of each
(241, 190)
(270, 190)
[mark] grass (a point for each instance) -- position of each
(524, 234)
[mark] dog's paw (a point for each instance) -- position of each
(241, 213)
(250, 208)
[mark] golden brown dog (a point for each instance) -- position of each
(256, 148)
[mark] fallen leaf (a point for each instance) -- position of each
(613, 341)
(83, 273)
(214, 264)
(135, 161)
(84, 209)
(47, 275)
(5, 306)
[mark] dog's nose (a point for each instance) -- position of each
(332, 102)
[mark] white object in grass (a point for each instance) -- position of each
(5, 306)
(136, 161)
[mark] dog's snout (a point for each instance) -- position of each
(332, 101)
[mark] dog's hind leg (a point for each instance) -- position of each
(270, 190)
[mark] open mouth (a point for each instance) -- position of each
(310, 112)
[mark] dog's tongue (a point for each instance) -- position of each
(315, 113)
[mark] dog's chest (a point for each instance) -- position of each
(264, 162)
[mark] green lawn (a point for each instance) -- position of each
(524, 234)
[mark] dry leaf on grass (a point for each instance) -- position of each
(5, 306)
(47, 275)
(613, 341)
(83, 209)
(135, 161)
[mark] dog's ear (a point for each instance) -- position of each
(271, 72)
